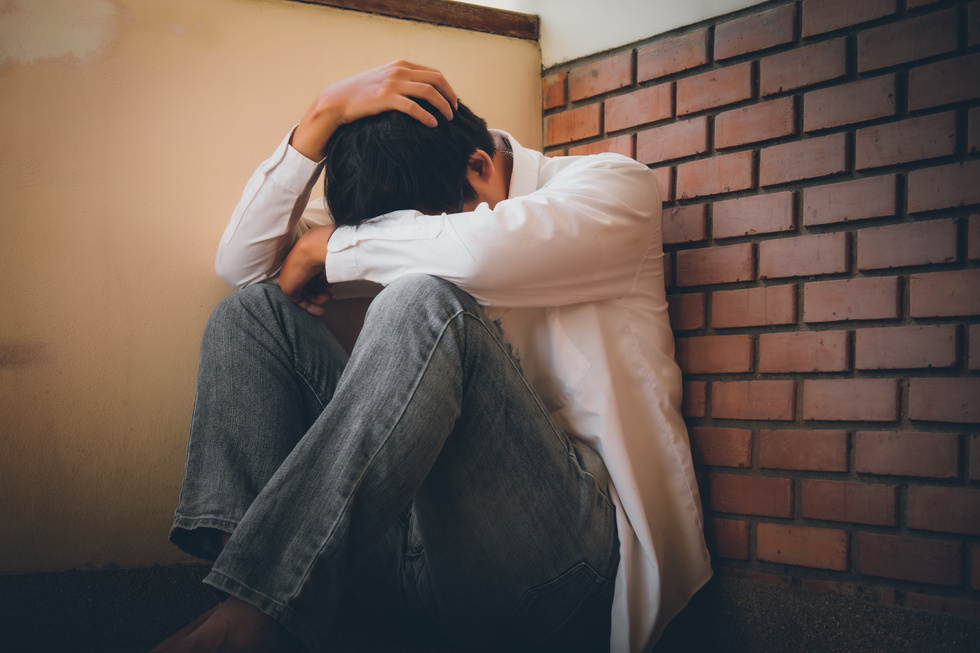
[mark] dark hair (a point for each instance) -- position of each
(392, 161)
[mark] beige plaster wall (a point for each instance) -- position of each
(127, 131)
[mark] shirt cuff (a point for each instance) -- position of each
(341, 262)
(294, 172)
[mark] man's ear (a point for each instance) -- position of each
(481, 164)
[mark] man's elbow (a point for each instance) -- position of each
(231, 273)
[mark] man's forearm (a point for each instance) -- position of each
(302, 276)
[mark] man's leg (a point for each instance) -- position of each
(267, 370)
(431, 407)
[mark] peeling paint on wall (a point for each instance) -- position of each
(35, 30)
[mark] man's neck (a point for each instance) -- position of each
(504, 160)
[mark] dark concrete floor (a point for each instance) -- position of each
(128, 611)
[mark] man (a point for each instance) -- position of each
(502, 458)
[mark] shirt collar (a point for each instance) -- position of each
(524, 177)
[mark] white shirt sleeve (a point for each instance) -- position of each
(273, 212)
(580, 237)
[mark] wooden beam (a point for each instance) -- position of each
(444, 12)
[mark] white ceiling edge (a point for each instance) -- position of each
(572, 29)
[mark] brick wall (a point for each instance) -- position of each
(819, 165)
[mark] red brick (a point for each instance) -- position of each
(975, 458)
(803, 256)
(937, 294)
(754, 123)
(909, 558)
(824, 451)
(553, 90)
(715, 354)
(754, 214)
(945, 186)
(620, 145)
(905, 347)
(812, 157)
(804, 66)
(727, 538)
(964, 608)
(975, 579)
(639, 107)
(766, 399)
(973, 25)
(836, 106)
(573, 125)
(714, 88)
(665, 181)
(824, 548)
(915, 243)
(908, 140)
(725, 264)
(945, 509)
(694, 402)
(944, 82)
(821, 16)
(945, 400)
(718, 174)
(974, 361)
(871, 197)
(753, 576)
(907, 453)
(907, 40)
(753, 306)
(861, 503)
(973, 238)
(722, 447)
(865, 298)
(803, 351)
(686, 311)
(754, 32)
(672, 141)
(973, 127)
(750, 495)
(672, 55)
(874, 400)
(601, 76)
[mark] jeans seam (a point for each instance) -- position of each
(305, 576)
(292, 354)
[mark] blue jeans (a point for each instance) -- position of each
(423, 473)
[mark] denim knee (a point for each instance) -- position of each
(247, 303)
(418, 298)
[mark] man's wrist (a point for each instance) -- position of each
(314, 130)
(313, 245)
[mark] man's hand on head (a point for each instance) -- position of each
(387, 88)
(303, 278)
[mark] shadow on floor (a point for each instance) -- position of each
(128, 611)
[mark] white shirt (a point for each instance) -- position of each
(572, 263)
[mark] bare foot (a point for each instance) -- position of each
(185, 631)
(235, 626)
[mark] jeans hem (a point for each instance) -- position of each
(187, 535)
(225, 585)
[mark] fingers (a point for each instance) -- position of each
(432, 95)
(436, 79)
(424, 83)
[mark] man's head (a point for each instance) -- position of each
(392, 161)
